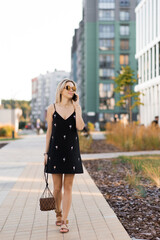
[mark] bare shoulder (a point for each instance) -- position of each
(50, 109)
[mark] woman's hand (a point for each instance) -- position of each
(45, 159)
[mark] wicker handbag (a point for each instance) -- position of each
(47, 200)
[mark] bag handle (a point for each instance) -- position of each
(46, 178)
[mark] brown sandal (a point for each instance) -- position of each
(58, 214)
(64, 228)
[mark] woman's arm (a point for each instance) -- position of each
(79, 120)
(49, 128)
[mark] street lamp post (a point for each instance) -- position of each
(12, 118)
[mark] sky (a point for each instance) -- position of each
(35, 37)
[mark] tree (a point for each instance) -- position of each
(125, 80)
(22, 104)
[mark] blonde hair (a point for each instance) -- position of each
(60, 88)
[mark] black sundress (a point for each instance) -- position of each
(64, 153)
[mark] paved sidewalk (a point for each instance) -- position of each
(21, 176)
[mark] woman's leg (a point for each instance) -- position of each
(67, 195)
(57, 182)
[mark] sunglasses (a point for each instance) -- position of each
(69, 88)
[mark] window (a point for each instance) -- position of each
(106, 15)
(106, 73)
(124, 30)
(107, 117)
(159, 58)
(106, 31)
(124, 3)
(106, 4)
(106, 95)
(124, 44)
(122, 90)
(147, 65)
(155, 67)
(106, 61)
(124, 15)
(106, 90)
(124, 106)
(124, 59)
(106, 44)
(151, 62)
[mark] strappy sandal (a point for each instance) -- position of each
(58, 214)
(64, 228)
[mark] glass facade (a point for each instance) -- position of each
(107, 117)
(159, 59)
(124, 15)
(147, 65)
(124, 44)
(106, 15)
(107, 4)
(106, 60)
(106, 44)
(124, 59)
(124, 3)
(151, 63)
(106, 95)
(124, 30)
(106, 31)
(106, 73)
(155, 61)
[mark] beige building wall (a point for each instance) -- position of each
(10, 116)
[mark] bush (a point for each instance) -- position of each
(90, 126)
(132, 137)
(142, 166)
(85, 143)
(6, 131)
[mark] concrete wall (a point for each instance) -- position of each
(10, 116)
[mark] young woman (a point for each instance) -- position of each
(62, 155)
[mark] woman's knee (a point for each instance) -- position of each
(57, 182)
(68, 187)
(58, 189)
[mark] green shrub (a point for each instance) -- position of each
(146, 166)
(6, 131)
(90, 126)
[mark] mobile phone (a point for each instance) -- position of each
(74, 98)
